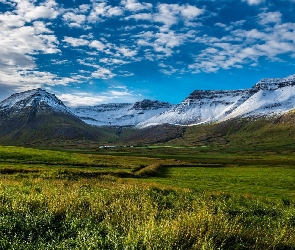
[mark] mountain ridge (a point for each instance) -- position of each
(37, 117)
(121, 114)
(268, 97)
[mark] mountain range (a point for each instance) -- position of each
(121, 114)
(40, 115)
(271, 96)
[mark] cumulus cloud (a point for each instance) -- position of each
(163, 42)
(26, 34)
(102, 10)
(133, 5)
(99, 40)
(127, 52)
(222, 53)
(113, 61)
(75, 42)
(253, 2)
(30, 12)
(97, 45)
(141, 16)
(81, 99)
(73, 19)
(170, 14)
(103, 73)
(270, 17)
(112, 94)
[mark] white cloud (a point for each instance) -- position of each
(84, 8)
(253, 2)
(30, 12)
(114, 11)
(23, 37)
(40, 28)
(141, 16)
(100, 10)
(11, 20)
(59, 62)
(41, 12)
(113, 94)
(224, 53)
(112, 61)
(97, 45)
(163, 42)
(8, 3)
(27, 79)
(127, 52)
(270, 17)
(170, 14)
(191, 12)
(133, 5)
(103, 73)
(73, 20)
(81, 99)
(27, 40)
(167, 14)
(75, 42)
(116, 93)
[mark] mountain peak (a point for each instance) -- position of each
(33, 98)
(274, 83)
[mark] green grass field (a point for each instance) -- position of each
(147, 198)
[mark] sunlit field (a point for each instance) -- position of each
(67, 200)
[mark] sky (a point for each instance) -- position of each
(89, 52)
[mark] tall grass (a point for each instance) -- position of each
(106, 213)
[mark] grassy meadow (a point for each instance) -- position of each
(147, 198)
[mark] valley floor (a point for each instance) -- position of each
(147, 198)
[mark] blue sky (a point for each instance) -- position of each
(89, 52)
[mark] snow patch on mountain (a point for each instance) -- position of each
(120, 114)
(202, 106)
(273, 96)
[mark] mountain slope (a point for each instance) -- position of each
(277, 132)
(202, 106)
(120, 114)
(274, 96)
(38, 116)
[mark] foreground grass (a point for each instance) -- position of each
(267, 181)
(62, 200)
(107, 213)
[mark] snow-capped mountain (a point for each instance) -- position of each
(37, 116)
(121, 114)
(200, 107)
(33, 100)
(273, 96)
